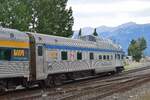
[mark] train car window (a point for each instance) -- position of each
(100, 57)
(118, 56)
(40, 50)
(104, 57)
(91, 56)
(79, 55)
(122, 56)
(64, 55)
(107, 57)
(5, 54)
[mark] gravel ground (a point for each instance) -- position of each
(139, 93)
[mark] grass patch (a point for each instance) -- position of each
(132, 66)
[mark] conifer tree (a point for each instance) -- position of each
(95, 33)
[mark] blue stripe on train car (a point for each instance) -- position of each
(79, 48)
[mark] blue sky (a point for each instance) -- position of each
(94, 13)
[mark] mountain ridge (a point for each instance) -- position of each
(122, 34)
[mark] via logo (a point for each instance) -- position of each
(19, 53)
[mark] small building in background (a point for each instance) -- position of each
(128, 59)
(145, 59)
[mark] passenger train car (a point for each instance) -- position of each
(30, 58)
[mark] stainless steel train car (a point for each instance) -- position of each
(30, 58)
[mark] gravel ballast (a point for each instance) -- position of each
(139, 93)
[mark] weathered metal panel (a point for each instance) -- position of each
(14, 69)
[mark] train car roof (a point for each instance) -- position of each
(12, 34)
(56, 40)
(10, 38)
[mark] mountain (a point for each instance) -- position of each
(122, 34)
(85, 31)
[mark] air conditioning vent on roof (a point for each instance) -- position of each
(88, 38)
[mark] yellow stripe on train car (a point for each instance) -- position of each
(16, 44)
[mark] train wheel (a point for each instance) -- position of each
(57, 80)
(2, 90)
(119, 69)
(26, 84)
(49, 82)
(70, 76)
(112, 72)
(41, 84)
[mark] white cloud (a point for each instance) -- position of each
(108, 13)
(117, 7)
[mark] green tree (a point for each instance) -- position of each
(15, 14)
(134, 51)
(142, 43)
(42, 16)
(136, 48)
(95, 33)
(54, 18)
(131, 47)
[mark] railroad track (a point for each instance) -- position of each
(105, 89)
(94, 88)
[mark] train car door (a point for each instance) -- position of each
(40, 61)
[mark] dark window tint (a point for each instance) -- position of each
(100, 57)
(79, 56)
(107, 57)
(40, 50)
(122, 56)
(104, 57)
(64, 55)
(118, 56)
(5, 54)
(91, 56)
